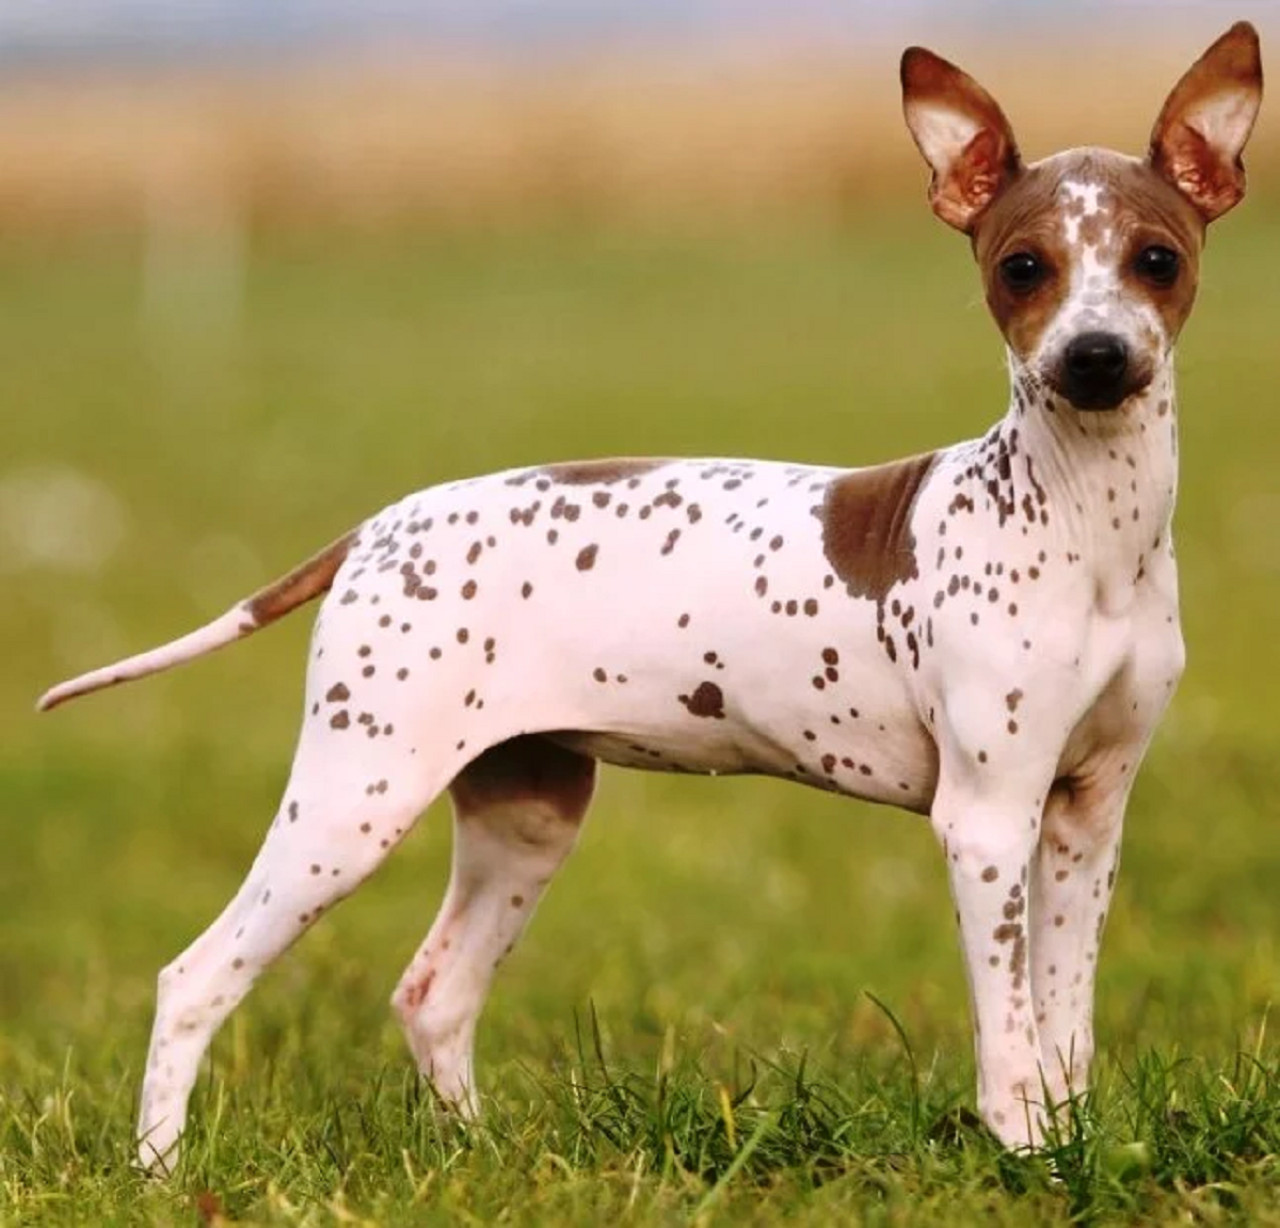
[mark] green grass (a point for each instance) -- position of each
(693, 1026)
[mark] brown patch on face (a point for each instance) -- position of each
(1027, 218)
(526, 768)
(600, 472)
(866, 525)
(304, 582)
(1149, 213)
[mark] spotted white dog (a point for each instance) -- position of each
(986, 635)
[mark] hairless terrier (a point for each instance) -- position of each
(986, 635)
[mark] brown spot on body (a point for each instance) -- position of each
(1018, 960)
(601, 472)
(417, 994)
(587, 557)
(707, 700)
(866, 525)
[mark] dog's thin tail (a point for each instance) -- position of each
(301, 585)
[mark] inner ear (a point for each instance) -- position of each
(962, 133)
(1202, 128)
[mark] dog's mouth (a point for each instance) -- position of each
(1100, 400)
(1099, 381)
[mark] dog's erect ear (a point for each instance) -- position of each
(962, 133)
(1204, 123)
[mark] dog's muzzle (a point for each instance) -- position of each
(1096, 371)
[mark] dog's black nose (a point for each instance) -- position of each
(1094, 367)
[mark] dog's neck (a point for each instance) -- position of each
(1110, 476)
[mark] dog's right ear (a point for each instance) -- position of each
(962, 133)
(1204, 124)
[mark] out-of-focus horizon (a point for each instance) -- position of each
(132, 114)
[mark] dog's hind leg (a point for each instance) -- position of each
(517, 812)
(350, 800)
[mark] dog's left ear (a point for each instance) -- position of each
(962, 133)
(1203, 126)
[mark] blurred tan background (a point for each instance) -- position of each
(509, 114)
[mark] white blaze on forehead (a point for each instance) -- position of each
(1087, 196)
(1093, 283)
(1097, 298)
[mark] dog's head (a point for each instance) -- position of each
(1089, 257)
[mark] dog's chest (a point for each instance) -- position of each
(1132, 657)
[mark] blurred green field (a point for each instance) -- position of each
(204, 432)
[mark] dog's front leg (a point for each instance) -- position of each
(1076, 870)
(989, 824)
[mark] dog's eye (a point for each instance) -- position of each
(1022, 272)
(1158, 265)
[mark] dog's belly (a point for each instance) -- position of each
(667, 752)
(898, 768)
(849, 727)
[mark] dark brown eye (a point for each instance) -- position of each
(1022, 272)
(1158, 265)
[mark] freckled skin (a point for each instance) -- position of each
(676, 661)
(987, 635)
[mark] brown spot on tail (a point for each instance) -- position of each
(305, 582)
(866, 525)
